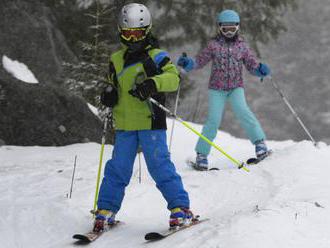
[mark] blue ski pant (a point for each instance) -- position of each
(118, 170)
(216, 104)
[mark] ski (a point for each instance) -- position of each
(92, 236)
(255, 160)
(155, 236)
(198, 168)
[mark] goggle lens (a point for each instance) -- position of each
(229, 30)
(133, 34)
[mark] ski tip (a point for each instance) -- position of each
(153, 236)
(255, 160)
(252, 161)
(81, 238)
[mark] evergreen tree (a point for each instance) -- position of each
(88, 77)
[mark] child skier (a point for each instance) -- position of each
(137, 71)
(228, 53)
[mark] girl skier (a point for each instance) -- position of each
(228, 52)
(137, 71)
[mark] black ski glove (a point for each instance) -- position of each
(109, 96)
(144, 90)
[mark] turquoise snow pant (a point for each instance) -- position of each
(119, 168)
(216, 104)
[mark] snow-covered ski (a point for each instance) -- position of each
(154, 236)
(255, 160)
(198, 168)
(92, 236)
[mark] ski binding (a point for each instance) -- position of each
(92, 236)
(198, 168)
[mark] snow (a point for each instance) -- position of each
(282, 202)
(93, 109)
(18, 70)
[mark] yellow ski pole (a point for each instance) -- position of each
(240, 165)
(105, 125)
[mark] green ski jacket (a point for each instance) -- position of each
(130, 113)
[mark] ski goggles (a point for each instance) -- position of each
(229, 30)
(134, 34)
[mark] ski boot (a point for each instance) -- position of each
(180, 217)
(103, 219)
(201, 162)
(261, 149)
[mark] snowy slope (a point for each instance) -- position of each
(283, 202)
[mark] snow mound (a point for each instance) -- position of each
(18, 70)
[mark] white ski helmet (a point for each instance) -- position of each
(134, 15)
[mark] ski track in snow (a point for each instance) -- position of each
(282, 202)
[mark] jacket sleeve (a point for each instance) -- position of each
(205, 56)
(249, 60)
(168, 79)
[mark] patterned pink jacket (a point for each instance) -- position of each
(227, 62)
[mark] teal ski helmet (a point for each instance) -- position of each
(228, 21)
(228, 16)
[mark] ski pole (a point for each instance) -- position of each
(105, 125)
(140, 173)
(175, 111)
(240, 165)
(275, 85)
(73, 173)
(184, 54)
